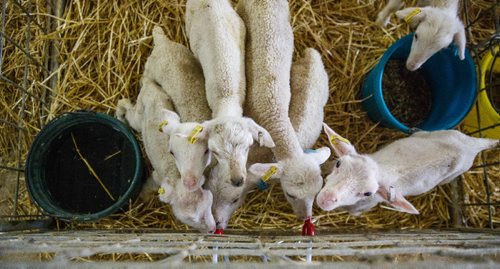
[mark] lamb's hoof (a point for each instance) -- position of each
(382, 21)
(121, 109)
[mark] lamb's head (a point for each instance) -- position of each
(191, 208)
(200, 215)
(188, 146)
(300, 178)
(355, 178)
(229, 140)
(436, 28)
(227, 197)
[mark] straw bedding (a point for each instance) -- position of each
(102, 48)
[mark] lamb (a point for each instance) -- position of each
(145, 117)
(189, 201)
(437, 25)
(268, 61)
(175, 69)
(217, 38)
(309, 88)
(191, 207)
(407, 167)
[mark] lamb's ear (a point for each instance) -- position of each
(259, 170)
(260, 134)
(320, 155)
(459, 41)
(403, 205)
(340, 145)
(197, 132)
(412, 15)
(207, 128)
(394, 198)
(169, 120)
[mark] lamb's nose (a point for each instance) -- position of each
(411, 66)
(237, 181)
(329, 197)
(190, 184)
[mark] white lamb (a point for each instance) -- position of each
(179, 74)
(406, 167)
(309, 87)
(437, 25)
(217, 38)
(268, 60)
(190, 203)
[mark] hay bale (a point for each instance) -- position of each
(102, 49)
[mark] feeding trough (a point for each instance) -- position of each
(83, 166)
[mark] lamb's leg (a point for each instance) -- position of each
(151, 186)
(121, 109)
(149, 189)
(126, 112)
(209, 218)
(385, 14)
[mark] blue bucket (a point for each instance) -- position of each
(452, 84)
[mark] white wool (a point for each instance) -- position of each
(176, 70)
(309, 94)
(217, 38)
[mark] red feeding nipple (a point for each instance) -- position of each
(308, 228)
(219, 231)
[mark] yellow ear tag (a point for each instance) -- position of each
(269, 173)
(161, 191)
(162, 124)
(192, 137)
(334, 138)
(412, 14)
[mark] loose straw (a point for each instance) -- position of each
(90, 168)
